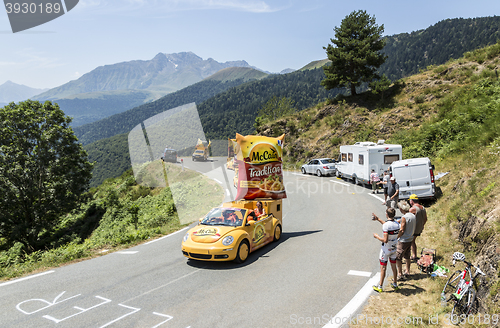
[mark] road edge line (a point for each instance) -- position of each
(25, 278)
(169, 235)
(344, 315)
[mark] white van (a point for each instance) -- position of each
(356, 161)
(414, 176)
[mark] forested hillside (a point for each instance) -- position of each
(110, 155)
(447, 39)
(88, 108)
(221, 116)
(126, 121)
(235, 110)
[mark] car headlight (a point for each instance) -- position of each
(227, 240)
(186, 236)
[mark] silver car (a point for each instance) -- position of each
(320, 167)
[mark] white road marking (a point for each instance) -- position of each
(134, 310)
(217, 181)
(25, 278)
(38, 300)
(376, 196)
(127, 252)
(227, 192)
(154, 241)
(169, 317)
(82, 310)
(342, 183)
(345, 314)
(359, 273)
(165, 285)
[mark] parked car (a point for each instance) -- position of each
(169, 155)
(320, 167)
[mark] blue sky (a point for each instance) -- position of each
(269, 34)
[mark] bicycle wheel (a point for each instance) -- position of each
(451, 284)
(471, 301)
(465, 305)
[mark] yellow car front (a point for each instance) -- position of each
(217, 236)
(216, 243)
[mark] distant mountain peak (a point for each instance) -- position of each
(10, 91)
(163, 74)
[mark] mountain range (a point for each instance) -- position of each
(13, 92)
(163, 74)
(112, 89)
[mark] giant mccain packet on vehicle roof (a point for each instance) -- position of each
(260, 172)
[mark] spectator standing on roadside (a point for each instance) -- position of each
(374, 179)
(392, 193)
(421, 219)
(405, 235)
(385, 183)
(390, 228)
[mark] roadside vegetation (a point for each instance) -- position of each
(116, 215)
(450, 113)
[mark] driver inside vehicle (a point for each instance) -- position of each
(231, 217)
(252, 216)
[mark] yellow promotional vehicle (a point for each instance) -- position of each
(233, 231)
(201, 150)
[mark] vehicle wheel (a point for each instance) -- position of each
(243, 251)
(465, 304)
(277, 233)
(303, 171)
(471, 301)
(318, 173)
(337, 173)
(355, 180)
(451, 285)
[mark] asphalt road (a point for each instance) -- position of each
(304, 278)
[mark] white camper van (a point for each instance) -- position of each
(414, 176)
(356, 161)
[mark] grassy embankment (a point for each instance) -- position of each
(450, 113)
(118, 214)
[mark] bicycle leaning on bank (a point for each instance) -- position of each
(459, 290)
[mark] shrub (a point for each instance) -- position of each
(335, 141)
(419, 99)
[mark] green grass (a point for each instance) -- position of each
(117, 214)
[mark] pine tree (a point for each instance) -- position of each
(356, 55)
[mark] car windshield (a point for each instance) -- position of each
(327, 161)
(198, 152)
(225, 216)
